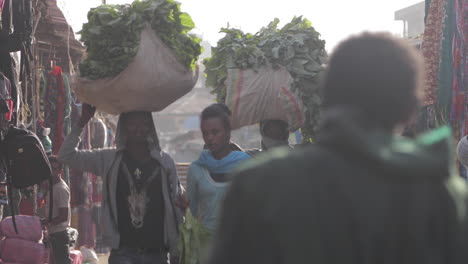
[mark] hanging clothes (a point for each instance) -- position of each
(8, 68)
(445, 48)
(459, 73)
(431, 48)
(56, 106)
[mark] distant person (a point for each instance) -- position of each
(360, 194)
(61, 216)
(275, 133)
(140, 221)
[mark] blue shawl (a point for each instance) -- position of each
(224, 165)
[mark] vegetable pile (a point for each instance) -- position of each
(112, 35)
(194, 240)
(297, 46)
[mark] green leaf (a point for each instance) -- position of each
(187, 21)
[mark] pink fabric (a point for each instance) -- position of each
(29, 228)
(23, 251)
(76, 256)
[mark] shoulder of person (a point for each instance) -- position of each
(279, 163)
(270, 162)
(195, 170)
(166, 161)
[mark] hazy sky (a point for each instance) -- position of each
(334, 19)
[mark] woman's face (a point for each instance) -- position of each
(216, 136)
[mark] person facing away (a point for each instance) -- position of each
(275, 133)
(61, 215)
(360, 194)
(140, 185)
(207, 177)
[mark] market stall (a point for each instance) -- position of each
(38, 55)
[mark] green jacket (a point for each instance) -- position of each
(357, 196)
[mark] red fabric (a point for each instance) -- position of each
(9, 115)
(23, 251)
(76, 256)
(29, 228)
(57, 72)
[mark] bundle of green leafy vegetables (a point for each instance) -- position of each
(297, 46)
(194, 240)
(112, 35)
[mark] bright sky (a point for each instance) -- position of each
(334, 19)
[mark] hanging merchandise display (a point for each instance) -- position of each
(445, 49)
(16, 36)
(6, 105)
(5, 117)
(7, 67)
(56, 101)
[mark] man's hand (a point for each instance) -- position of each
(87, 112)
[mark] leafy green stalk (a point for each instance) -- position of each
(112, 35)
(297, 46)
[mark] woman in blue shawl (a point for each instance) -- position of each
(208, 177)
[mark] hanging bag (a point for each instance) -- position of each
(28, 164)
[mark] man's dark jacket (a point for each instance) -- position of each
(357, 196)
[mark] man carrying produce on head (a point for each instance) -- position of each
(139, 219)
(274, 134)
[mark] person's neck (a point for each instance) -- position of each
(223, 153)
(138, 151)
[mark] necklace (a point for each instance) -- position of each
(137, 173)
